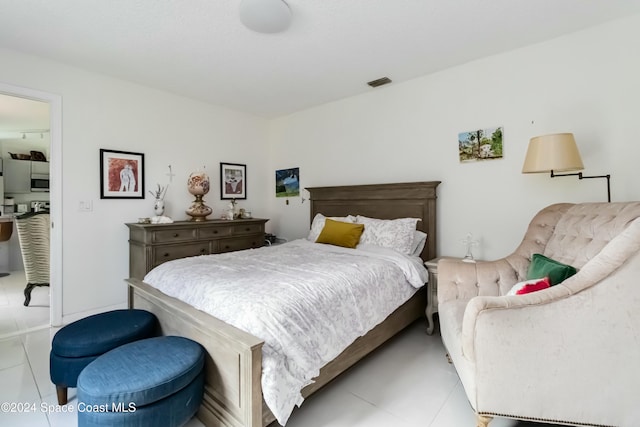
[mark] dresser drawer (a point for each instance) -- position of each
(247, 229)
(175, 235)
(167, 253)
(153, 244)
(214, 232)
(238, 244)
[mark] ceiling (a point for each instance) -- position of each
(199, 48)
(18, 115)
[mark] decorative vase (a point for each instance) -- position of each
(158, 207)
(198, 185)
(469, 243)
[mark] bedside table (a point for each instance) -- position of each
(278, 241)
(432, 292)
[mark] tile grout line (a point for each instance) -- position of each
(33, 375)
(20, 333)
(376, 406)
(435, 417)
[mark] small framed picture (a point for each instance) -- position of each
(481, 144)
(288, 182)
(121, 175)
(233, 181)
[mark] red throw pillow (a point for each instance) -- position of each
(532, 287)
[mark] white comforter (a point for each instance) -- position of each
(307, 301)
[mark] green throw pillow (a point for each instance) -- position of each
(541, 266)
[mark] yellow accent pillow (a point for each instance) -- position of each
(339, 233)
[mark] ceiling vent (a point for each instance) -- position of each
(379, 82)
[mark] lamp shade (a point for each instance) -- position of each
(555, 152)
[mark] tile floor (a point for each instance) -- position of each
(15, 318)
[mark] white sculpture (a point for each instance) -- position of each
(469, 243)
(231, 209)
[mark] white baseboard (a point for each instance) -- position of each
(68, 318)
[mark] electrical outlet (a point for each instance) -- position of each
(85, 206)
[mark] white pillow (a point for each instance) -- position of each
(395, 234)
(419, 241)
(318, 224)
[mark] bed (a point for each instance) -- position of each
(233, 394)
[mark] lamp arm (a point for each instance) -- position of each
(580, 176)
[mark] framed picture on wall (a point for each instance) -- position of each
(233, 181)
(121, 175)
(480, 144)
(288, 182)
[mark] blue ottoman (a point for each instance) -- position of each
(81, 342)
(152, 382)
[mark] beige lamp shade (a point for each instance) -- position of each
(557, 152)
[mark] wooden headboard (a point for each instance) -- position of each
(383, 201)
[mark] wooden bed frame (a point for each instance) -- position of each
(233, 368)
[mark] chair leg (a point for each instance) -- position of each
(483, 420)
(27, 293)
(62, 395)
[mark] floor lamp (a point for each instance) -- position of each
(557, 152)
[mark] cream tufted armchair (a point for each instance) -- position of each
(569, 354)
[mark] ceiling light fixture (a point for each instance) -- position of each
(265, 16)
(33, 133)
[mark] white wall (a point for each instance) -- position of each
(102, 112)
(586, 83)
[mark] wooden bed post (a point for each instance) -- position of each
(233, 365)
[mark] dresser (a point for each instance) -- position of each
(152, 244)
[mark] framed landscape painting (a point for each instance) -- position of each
(288, 182)
(481, 144)
(121, 175)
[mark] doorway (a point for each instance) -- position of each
(55, 153)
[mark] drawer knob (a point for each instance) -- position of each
(226, 247)
(247, 229)
(215, 231)
(176, 235)
(166, 254)
(203, 250)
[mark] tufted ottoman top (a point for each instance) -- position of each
(102, 332)
(141, 372)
